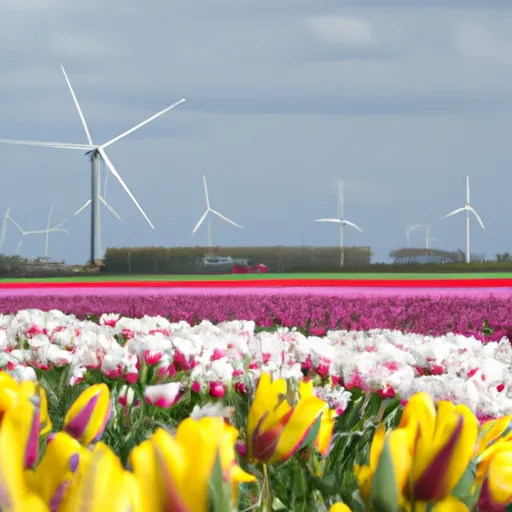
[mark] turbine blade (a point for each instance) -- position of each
(201, 220)
(17, 225)
(140, 125)
(87, 203)
(4, 228)
(458, 210)
(348, 223)
(337, 221)
(206, 193)
(59, 145)
(472, 210)
(467, 189)
(110, 209)
(80, 113)
(225, 218)
(112, 169)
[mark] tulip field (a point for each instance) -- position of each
(340, 400)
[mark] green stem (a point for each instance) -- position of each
(267, 491)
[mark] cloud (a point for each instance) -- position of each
(341, 30)
(477, 42)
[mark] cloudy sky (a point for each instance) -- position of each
(401, 99)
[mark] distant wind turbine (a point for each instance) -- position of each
(5, 223)
(417, 227)
(47, 231)
(215, 212)
(96, 153)
(342, 222)
(468, 209)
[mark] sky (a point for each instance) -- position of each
(400, 99)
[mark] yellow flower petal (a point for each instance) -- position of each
(302, 419)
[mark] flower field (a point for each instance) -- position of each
(255, 402)
(484, 317)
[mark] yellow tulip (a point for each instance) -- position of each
(400, 463)
(449, 504)
(59, 471)
(87, 418)
(30, 395)
(105, 485)
(175, 473)
(340, 507)
(14, 494)
(495, 473)
(324, 438)
(441, 442)
(46, 422)
(493, 431)
(276, 430)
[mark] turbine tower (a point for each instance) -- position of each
(96, 152)
(103, 199)
(342, 222)
(468, 209)
(215, 212)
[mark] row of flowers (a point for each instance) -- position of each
(486, 318)
(169, 359)
(437, 458)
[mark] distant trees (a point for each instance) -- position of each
(503, 257)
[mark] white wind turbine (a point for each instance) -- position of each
(417, 227)
(468, 209)
(96, 153)
(46, 232)
(342, 222)
(215, 212)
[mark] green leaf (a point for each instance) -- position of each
(312, 434)
(384, 496)
(220, 491)
(465, 484)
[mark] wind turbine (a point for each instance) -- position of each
(417, 227)
(47, 231)
(96, 152)
(468, 209)
(342, 222)
(215, 212)
(5, 223)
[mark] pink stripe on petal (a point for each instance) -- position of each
(32, 448)
(77, 426)
(431, 484)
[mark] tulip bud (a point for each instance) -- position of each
(88, 416)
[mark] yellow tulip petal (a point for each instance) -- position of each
(340, 507)
(199, 441)
(500, 476)
(87, 417)
(46, 422)
(65, 458)
(143, 462)
(449, 504)
(266, 399)
(12, 484)
(302, 419)
(104, 484)
(324, 438)
(450, 451)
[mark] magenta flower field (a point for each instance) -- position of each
(486, 318)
